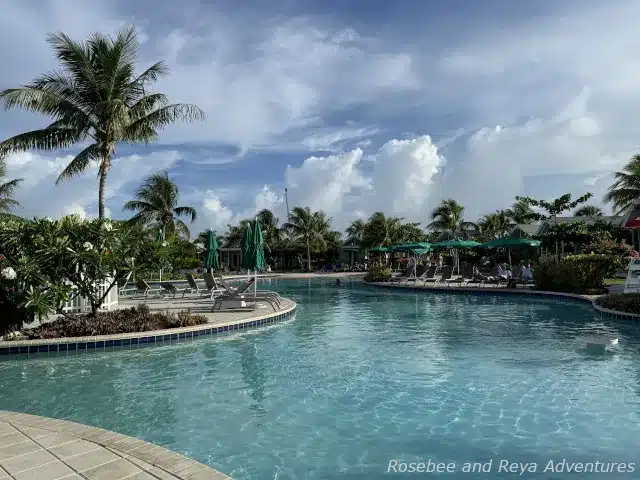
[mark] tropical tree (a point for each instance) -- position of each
(495, 225)
(7, 190)
(380, 230)
(309, 228)
(236, 232)
(356, 230)
(554, 207)
(624, 193)
(156, 204)
(521, 212)
(589, 211)
(96, 97)
(271, 232)
(448, 216)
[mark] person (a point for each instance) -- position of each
(268, 268)
(527, 274)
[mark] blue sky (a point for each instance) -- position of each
(353, 106)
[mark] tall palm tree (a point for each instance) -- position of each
(97, 97)
(309, 228)
(520, 212)
(7, 190)
(448, 216)
(156, 204)
(236, 232)
(356, 230)
(589, 211)
(624, 193)
(380, 230)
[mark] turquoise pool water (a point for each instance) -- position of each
(362, 377)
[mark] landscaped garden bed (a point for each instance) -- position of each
(621, 302)
(135, 319)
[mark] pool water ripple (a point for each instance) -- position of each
(361, 377)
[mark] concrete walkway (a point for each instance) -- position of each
(39, 448)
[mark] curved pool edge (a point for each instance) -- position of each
(34, 444)
(136, 339)
(591, 299)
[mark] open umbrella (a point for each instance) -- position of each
(256, 255)
(456, 243)
(511, 242)
(379, 249)
(409, 247)
(245, 247)
(211, 259)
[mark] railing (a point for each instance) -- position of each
(80, 304)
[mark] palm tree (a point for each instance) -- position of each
(95, 96)
(271, 232)
(356, 230)
(520, 212)
(589, 211)
(7, 190)
(236, 232)
(625, 191)
(495, 225)
(380, 230)
(309, 228)
(448, 216)
(156, 202)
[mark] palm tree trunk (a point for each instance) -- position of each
(308, 256)
(104, 169)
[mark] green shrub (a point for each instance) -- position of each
(583, 273)
(622, 302)
(135, 319)
(378, 273)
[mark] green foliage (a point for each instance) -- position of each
(621, 302)
(135, 319)
(625, 190)
(554, 207)
(378, 273)
(54, 261)
(582, 273)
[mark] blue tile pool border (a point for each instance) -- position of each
(111, 342)
(605, 313)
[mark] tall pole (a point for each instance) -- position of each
(286, 201)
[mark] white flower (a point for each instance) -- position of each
(87, 246)
(8, 273)
(164, 244)
(107, 226)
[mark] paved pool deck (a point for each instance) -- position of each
(40, 448)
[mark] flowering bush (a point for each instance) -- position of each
(45, 263)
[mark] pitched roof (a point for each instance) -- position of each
(525, 230)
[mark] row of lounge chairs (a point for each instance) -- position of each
(216, 289)
(429, 275)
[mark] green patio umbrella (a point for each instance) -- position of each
(511, 242)
(379, 249)
(456, 243)
(211, 258)
(245, 247)
(408, 247)
(255, 259)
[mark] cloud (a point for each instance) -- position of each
(40, 196)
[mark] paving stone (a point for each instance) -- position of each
(76, 447)
(115, 470)
(91, 459)
(54, 440)
(25, 462)
(11, 438)
(17, 449)
(49, 471)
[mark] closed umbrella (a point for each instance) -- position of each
(256, 257)
(245, 247)
(211, 259)
(161, 242)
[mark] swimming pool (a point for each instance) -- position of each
(360, 378)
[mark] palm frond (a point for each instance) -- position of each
(80, 163)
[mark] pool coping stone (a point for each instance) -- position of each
(103, 453)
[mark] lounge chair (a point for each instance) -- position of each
(122, 284)
(193, 286)
(143, 289)
(403, 276)
(238, 294)
(495, 279)
(245, 290)
(447, 271)
(212, 287)
(424, 276)
(172, 289)
(465, 278)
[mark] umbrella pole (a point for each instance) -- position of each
(255, 282)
